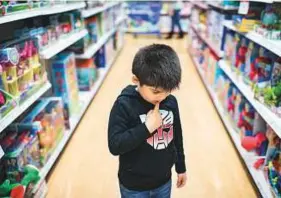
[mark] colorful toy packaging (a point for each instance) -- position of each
(245, 23)
(270, 26)
(250, 67)
(269, 90)
(93, 28)
(273, 163)
(22, 73)
(100, 58)
(32, 139)
(65, 84)
(86, 73)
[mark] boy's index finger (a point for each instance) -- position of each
(156, 107)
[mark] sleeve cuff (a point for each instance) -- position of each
(180, 167)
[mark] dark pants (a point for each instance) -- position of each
(176, 21)
(161, 192)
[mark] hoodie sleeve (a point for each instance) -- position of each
(121, 138)
(180, 163)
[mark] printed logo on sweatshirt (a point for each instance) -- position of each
(165, 134)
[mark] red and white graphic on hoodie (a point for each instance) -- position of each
(165, 134)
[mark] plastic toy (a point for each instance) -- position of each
(236, 46)
(229, 49)
(65, 83)
(274, 173)
(246, 120)
(241, 56)
(87, 73)
(24, 187)
(269, 18)
(22, 72)
(238, 107)
(250, 70)
(246, 23)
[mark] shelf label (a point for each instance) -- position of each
(244, 7)
(1, 152)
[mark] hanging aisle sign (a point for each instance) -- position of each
(143, 17)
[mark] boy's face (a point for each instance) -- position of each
(152, 95)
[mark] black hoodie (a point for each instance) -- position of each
(145, 160)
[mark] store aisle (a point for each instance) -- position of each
(88, 170)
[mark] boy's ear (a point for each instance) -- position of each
(135, 80)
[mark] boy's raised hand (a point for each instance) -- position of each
(153, 119)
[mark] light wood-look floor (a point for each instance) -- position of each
(87, 170)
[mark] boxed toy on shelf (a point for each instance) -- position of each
(270, 26)
(87, 73)
(65, 83)
(100, 57)
(13, 7)
(94, 28)
(33, 136)
(22, 72)
(246, 22)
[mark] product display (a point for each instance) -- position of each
(34, 130)
(87, 73)
(65, 84)
(22, 73)
(245, 84)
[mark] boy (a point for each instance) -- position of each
(144, 126)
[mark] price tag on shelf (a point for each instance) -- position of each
(1, 152)
(244, 7)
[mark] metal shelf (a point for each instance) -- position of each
(211, 45)
(62, 44)
(273, 120)
(18, 110)
(272, 45)
(248, 157)
(85, 100)
(92, 49)
(41, 11)
(93, 11)
(217, 5)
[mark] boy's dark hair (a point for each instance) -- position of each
(157, 65)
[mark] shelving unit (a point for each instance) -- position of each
(272, 45)
(248, 157)
(62, 44)
(200, 4)
(268, 116)
(18, 110)
(53, 49)
(85, 99)
(211, 45)
(96, 46)
(93, 11)
(216, 5)
(41, 11)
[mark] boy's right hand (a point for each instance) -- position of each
(153, 119)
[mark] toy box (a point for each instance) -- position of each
(86, 73)
(246, 23)
(93, 28)
(270, 92)
(65, 84)
(22, 73)
(270, 26)
(100, 57)
(21, 147)
(48, 120)
(10, 7)
(250, 68)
